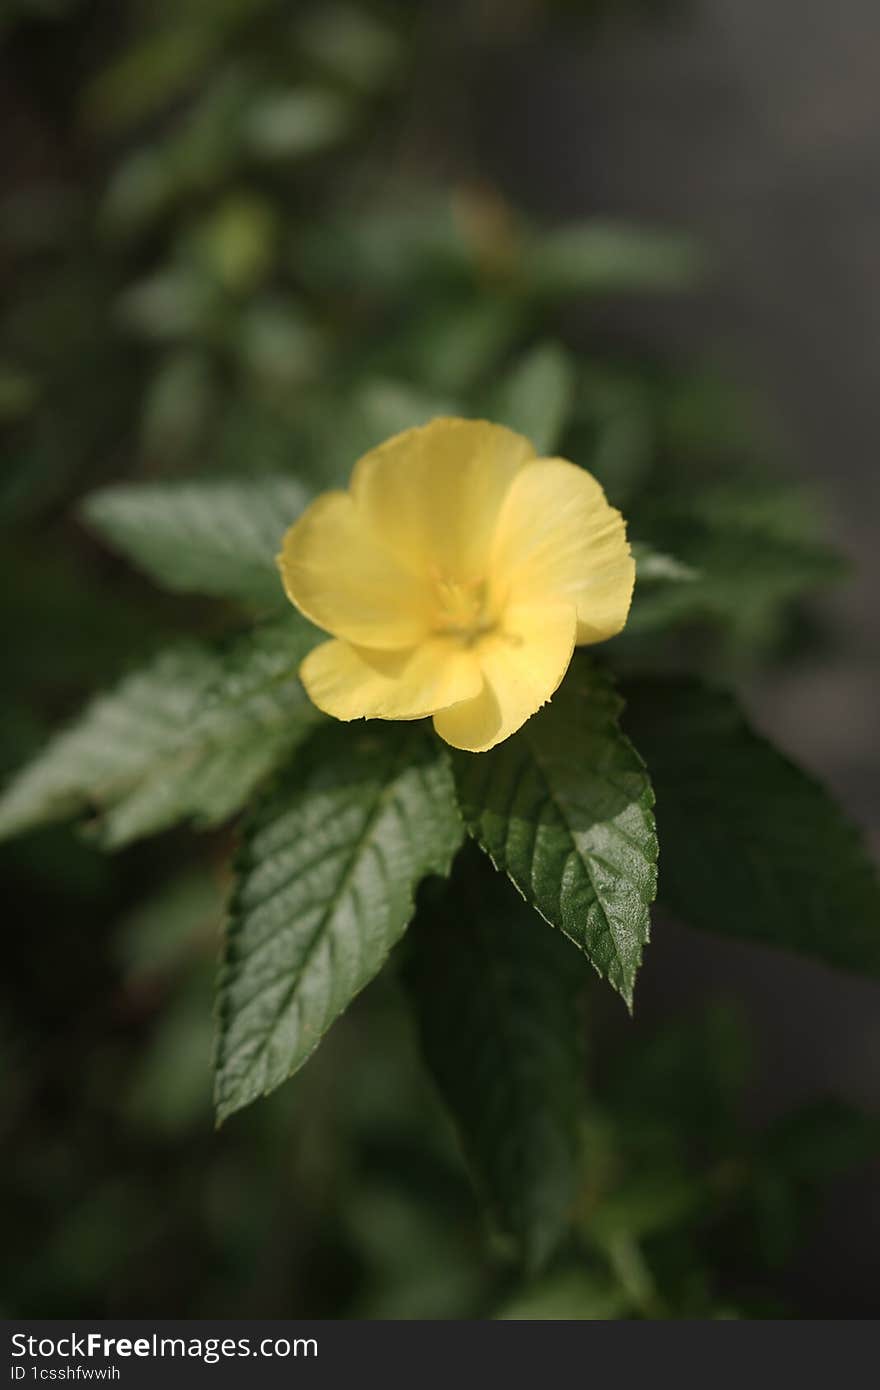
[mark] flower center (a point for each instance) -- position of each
(461, 609)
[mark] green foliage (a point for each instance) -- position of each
(511, 1070)
(655, 567)
(244, 287)
(188, 737)
(325, 887)
(594, 257)
(568, 1295)
(213, 537)
(750, 563)
(751, 845)
(172, 925)
(564, 808)
(298, 122)
(536, 396)
(456, 344)
(352, 44)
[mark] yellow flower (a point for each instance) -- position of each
(456, 576)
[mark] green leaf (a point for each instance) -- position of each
(614, 430)
(752, 846)
(234, 244)
(168, 1090)
(744, 578)
(564, 807)
(325, 888)
(170, 926)
(178, 404)
(820, 1141)
(535, 398)
(342, 425)
(149, 74)
(188, 737)
(496, 997)
(352, 44)
(451, 347)
(138, 191)
(599, 257)
(644, 1204)
(215, 537)
(655, 567)
(281, 348)
(754, 549)
(388, 251)
(173, 302)
(384, 407)
(296, 122)
(569, 1295)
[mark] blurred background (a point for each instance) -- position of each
(219, 219)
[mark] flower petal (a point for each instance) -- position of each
(358, 683)
(341, 578)
(522, 666)
(559, 539)
(433, 494)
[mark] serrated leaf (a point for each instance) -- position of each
(564, 807)
(325, 888)
(188, 737)
(752, 846)
(218, 537)
(536, 396)
(496, 998)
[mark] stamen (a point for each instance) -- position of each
(461, 609)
